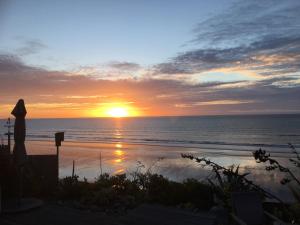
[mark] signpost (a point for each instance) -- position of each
(59, 137)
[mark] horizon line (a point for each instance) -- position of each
(163, 116)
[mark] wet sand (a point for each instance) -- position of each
(117, 158)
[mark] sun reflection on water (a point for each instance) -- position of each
(119, 145)
(118, 160)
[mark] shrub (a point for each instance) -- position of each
(120, 191)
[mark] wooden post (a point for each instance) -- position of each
(57, 151)
(100, 157)
(57, 159)
(73, 169)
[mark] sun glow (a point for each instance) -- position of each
(117, 112)
(114, 110)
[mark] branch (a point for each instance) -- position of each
(262, 156)
(217, 167)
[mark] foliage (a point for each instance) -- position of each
(261, 156)
(106, 192)
(70, 187)
(228, 180)
(159, 189)
(119, 191)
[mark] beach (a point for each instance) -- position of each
(119, 158)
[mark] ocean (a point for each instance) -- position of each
(216, 132)
(157, 143)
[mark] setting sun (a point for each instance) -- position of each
(117, 112)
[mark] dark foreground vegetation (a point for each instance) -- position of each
(291, 178)
(230, 180)
(117, 193)
(120, 193)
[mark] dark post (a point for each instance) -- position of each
(73, 169)
(100, 158)
(59, 137)
(8, 125)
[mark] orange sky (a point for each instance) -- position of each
(50, 94)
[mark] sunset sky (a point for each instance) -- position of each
(69, 58)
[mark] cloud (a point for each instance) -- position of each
(29, 47)
(112, 71)
(271, 56)
(258, 36)
(76, 95)
(248, 21)
(127, 66)
(215, 102)
(11, 63)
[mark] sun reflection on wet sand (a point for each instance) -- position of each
(119, 152)
(120, 171)
(119, 155)
(120, 158)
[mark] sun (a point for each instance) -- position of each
(114, 110)
(117, 112)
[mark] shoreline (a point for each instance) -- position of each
(124, 158)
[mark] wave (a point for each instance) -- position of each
(165, 142)
(289, 135)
